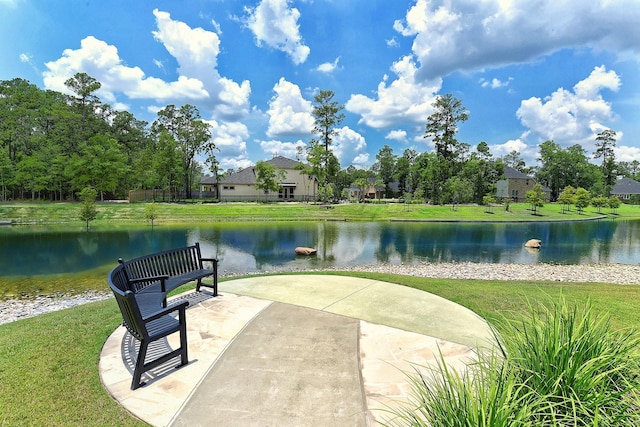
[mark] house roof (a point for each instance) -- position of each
(247, 176)
(511, 173)
(626, 186)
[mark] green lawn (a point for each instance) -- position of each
(124, 213)
(48, 364)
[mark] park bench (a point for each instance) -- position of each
(140, 286)
(165, 271)
(148, 321)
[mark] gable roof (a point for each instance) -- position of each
(247, 176)
(511, 173)
(626, 186)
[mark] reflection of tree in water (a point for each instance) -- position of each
(327, 238)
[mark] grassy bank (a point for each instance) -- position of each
(48, 364)
(111, 213)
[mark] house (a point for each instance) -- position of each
(626, 188)
(515, 184)
(241, 185)
(370, 192)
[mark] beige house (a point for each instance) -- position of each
(241, 185)
(515, 184)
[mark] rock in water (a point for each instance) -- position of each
(533, 243)
(301, 250)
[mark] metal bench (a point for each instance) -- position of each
(148, 319)
(162, 272)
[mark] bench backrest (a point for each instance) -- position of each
(131, 315)
(172, 262)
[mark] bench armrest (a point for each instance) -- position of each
(214, 260)
(158, 314)
(162, 278)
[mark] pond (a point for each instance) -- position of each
(253, 247)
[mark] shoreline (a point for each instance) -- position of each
(620, 274)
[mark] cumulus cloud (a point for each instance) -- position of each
(289, 113)
(403, 100)
(196, 51)
(198, 81)
(329, 67)
(275, 23)
(230, 138)
(101, 61)
(350, 148)
(572, 117)
(286, 149)
(471, 35)
(397, 135)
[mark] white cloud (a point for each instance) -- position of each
(196, 51)
(198, 82)
(572, 117)
(350, 148)
(329, 67)
(101, 61)
(397, 135)
(286, 149)
(471, 35)
(625, 153)
(275, 23)
(289, 113)
(495, 83)
(401, 101)
(230, 138)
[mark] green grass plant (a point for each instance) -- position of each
(559, 365)
(570, 355)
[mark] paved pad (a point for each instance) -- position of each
(296, 350)
(291, 366)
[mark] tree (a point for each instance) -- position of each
(488, 201)
(327, 117)
(614, 203)
(84, 85)
(515, 161)
(567, 198)
(191, 134)
(151, 212)
(599, 203)
(268, 177)
(605, 143)
(385, 167)
(535, 197)
(442, 124)
(458, 190)
(441, 128)
(403, 171)
(582, 199)
(88, 210)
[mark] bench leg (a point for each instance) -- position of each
(139, 369)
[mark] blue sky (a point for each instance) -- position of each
(527, 71)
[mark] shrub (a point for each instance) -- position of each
(560, 365)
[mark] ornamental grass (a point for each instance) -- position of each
(560, 365)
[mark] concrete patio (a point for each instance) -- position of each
(295, 350)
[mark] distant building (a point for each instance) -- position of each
(515, 184)
(626, 188)
(241, 185)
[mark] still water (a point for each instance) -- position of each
(251, 247)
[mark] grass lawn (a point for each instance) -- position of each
(48, 364)
(124, 213)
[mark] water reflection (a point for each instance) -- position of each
(265, 246)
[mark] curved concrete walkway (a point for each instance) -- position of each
(295, 350)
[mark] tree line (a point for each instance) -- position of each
(53, 145)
